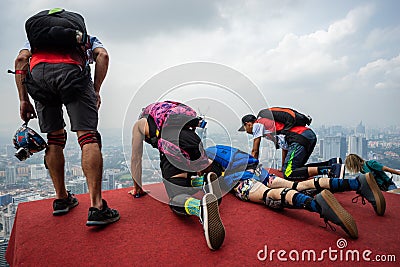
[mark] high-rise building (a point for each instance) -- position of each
(10, 150)
(38, 171)
(109, 176)
(105, 185)
(360, 130)
(8, 221)
(78, 186)
(358, 145)
(11, 175)
(334, 146)
(3, 249)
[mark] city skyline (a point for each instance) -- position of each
(330, 60)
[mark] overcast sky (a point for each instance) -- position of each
(338, 61)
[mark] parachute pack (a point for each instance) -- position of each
(170, 114)
(236, 162)
(56, 28)
(288, 116)
(231, 159)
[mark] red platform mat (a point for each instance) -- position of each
(150, 234)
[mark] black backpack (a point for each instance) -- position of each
(288, 116)
(55, 29)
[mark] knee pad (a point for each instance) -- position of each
(57, 139)
(272, 203)
(177, 204)
(285, 203)
(90, 137)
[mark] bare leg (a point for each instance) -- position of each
(309, 184)
(312, 171)
(280, 183)
(92, 166)
(55, 161)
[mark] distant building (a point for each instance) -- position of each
(7, 219)
(358, 145)
(76, 171)
(26, 197)
(11, 175)
(78, 186)
(108, 180)
(5, 200)
(23, 170)
(38, 171)
(10, 150)
(360, 130)
(334, 146)
(3, 249)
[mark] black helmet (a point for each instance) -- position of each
(27, 142)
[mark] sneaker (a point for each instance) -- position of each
(369, 190)
(211, 185)
(62, 206)
(332, 211)
(214, 230)
(335, 161)
(101, 217)
(336, 171)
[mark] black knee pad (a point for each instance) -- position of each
(57, 139)
(177, 204)
(284, 203)
(90, 137)
(273, 203)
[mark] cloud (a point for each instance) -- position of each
(384, 74)
(299, 54)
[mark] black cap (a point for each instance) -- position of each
(247, 118)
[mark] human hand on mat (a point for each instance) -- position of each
(138, 192)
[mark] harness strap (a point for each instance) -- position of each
(295, 184)
(283, 196)
(316, 184)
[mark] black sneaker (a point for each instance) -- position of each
(369, 190)
(101, 217)
(211, 185)
(336, 171)
(214, 230)
(332, 211)
(62, 206)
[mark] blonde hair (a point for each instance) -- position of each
(354, 163)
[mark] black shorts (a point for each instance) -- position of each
(56, 79)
